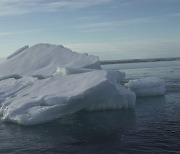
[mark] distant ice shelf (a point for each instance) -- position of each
(107, 62)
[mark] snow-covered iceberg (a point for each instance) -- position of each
(44, 82)
(150, 86)
(44, 59)
(51, 98)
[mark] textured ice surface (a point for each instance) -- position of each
(51, 98)
(43, 59)
(10, 87)
(18, 51)
(15, 76)
(150, 86)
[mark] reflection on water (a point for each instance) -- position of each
(101, 127)
(83, 129)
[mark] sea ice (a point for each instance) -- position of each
(150, 86)
(51, 98)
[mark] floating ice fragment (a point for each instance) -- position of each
(150, 86)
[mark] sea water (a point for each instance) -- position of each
(152, 127)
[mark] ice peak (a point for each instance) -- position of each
(44, 58)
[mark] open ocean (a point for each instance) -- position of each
(153, 127)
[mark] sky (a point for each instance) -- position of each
(110, 29)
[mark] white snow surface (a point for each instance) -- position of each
(150, 86)
(51, 98)
(43, 59)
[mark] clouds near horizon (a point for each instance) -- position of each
(119, 26)
(11, 7)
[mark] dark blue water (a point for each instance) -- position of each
(152, 127)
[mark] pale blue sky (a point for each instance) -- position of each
(110, 29)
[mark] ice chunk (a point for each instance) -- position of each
(57, 96)
(68, 71)
(43, 59)
(150, 86)
(18, 51)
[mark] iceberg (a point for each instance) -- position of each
(45, 82)
(150, 86)
(51, 98)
